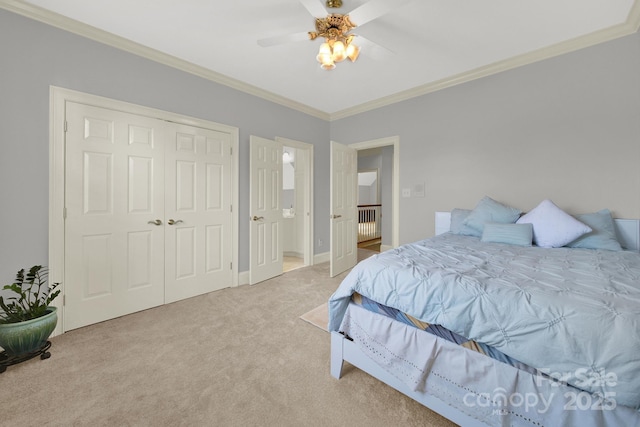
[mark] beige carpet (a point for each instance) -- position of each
(236, 357)
(318, 317)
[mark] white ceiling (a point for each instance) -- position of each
(435, 42)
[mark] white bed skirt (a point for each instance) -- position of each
(473, 385)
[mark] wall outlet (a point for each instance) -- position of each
(406, 192)
(320, 242)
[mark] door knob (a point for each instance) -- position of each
(156, 222)
(257, 218)
(172, 222)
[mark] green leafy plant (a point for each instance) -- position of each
(32, 296)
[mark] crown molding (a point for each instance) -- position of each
(51, 18)
(59, 21)
(631, 26)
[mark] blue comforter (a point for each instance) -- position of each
(572, 313)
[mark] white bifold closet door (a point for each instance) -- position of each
(198, 245)
(147, 205)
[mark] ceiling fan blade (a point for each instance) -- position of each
(373, 49)
(374, 9)
(288, 38)
(315, 8)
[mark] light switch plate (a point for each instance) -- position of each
(418, 189)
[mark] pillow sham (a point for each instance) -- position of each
(488, 210)
(512, 234)
(553, 227)
(603, 235)
(457, 223)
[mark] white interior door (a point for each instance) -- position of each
(197, 211)
(344, 187)
(265, 231)
(114, 203)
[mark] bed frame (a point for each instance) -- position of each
(345, 350)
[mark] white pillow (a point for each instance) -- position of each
(552, 227)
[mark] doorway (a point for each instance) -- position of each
(297, 209)
(369, 206)
(292, 225)
(340, 245)
(385, 153)
(271, 208)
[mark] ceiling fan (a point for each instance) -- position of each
(336, 28)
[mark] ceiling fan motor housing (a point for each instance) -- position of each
(334, 3)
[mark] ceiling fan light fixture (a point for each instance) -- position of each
(328, 65)
(339, 52)
(334, 3)
(324, 53)
(335, 28)
(352, 52)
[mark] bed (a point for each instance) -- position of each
(518, 301)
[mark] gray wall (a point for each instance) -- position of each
(566, 128)
(34, 56)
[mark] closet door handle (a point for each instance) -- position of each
(257, 218)
(172, 222)
(156, 222)
(336, 216)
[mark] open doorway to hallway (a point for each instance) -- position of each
(375, 198)
(343, 209)
(369, 207)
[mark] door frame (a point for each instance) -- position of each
(57, 99)
(393, 141)
(308, 195)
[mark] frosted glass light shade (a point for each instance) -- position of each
(339, 52)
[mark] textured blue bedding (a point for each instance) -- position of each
(572, 313)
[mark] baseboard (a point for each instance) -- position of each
(320, 258)
(243, 278)
(385, 247)
(293, 254)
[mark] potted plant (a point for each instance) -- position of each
(26, 318)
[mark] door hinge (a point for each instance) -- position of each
(64, 300)
(230, 208)
(64, 213)
(231, 151)
(230, 266)
(65, 125)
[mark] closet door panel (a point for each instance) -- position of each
(198, 205)
(114, 193)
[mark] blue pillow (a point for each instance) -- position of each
(457, 223)
(512, 234)
(488, 210)
(603, 234)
